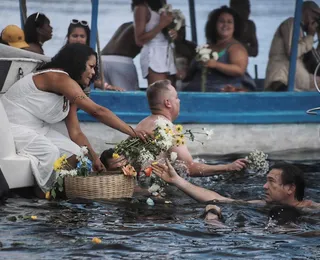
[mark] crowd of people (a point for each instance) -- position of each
(228, 31)
(58, 88)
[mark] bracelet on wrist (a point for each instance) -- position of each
(135, 134)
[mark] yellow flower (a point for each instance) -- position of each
(179, 128)
(34, 217)
(96, 240)
(167, 130)
(60, 162)
(115, 156)
(157, 137)
(154, 163)
(48, 195)
(179, 141)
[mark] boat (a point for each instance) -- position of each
(273, 122)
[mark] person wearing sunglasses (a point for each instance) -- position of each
(79, 32)
(37, 30)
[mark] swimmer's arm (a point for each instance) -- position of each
(198, 193)
(200, 169)
(169, 174)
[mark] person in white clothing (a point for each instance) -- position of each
(156, 56)
(51, 95)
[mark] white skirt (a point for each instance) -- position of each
(159, 58)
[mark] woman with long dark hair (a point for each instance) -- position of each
(37, 31)
(51, 95)
(156, 56)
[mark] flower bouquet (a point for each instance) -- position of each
(178, 19)
(142, 154)
(204, 54)
(84, 183)
(258, 162)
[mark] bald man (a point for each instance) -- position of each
(164, 102)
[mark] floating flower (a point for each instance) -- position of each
(96, 240)
(48, 195)
(34, 217)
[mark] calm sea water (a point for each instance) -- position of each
(267, 15)
(130, 229)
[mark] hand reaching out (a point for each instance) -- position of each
(237, 165)
(165, 172)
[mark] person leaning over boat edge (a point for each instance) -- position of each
(49, 96)
(285, 185)
(164, 102)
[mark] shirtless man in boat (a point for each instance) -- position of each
(285, 185)
(164, 102)
(117, 58)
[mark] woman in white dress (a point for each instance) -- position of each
(156, 56)
(51, 95)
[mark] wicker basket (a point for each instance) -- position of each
(111, 185)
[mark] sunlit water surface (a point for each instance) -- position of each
(130, 229)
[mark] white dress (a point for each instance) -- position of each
(157, 54)
(31, 112)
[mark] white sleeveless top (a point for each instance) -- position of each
(28, 106)
(157, 54)
(152, 23)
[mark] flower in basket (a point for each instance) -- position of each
(63, 169)
(258, 162)
(203, 54)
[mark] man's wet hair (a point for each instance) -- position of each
(284, 214)
(105, 156)
(155, 89)
(291, 174)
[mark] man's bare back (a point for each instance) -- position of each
(122, 42)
